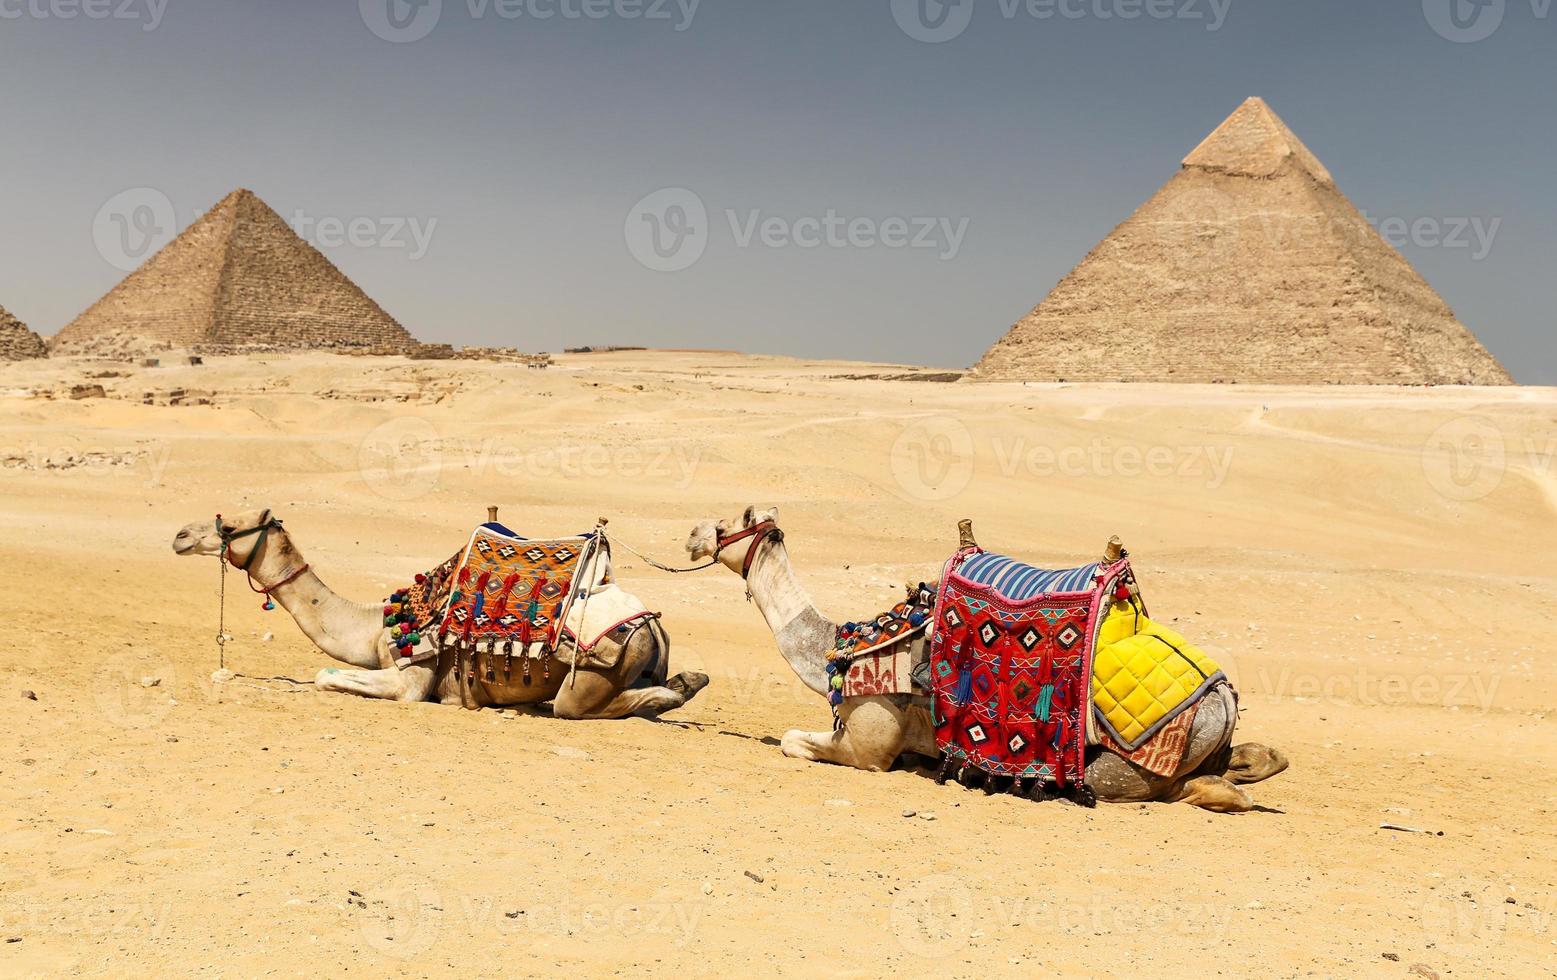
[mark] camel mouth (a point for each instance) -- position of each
(182, 547)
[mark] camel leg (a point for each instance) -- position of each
(1252, 762)
(389, 684)
(586, 701)
(1215, 794)
(873, 735)
(687, 684)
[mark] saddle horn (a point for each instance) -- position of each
(1114, 551)
(965, 534)
(492, 514)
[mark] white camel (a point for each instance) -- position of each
(353, 633)
(876, 730)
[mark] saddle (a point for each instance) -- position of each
(1025, 667)
(507, 601)
(1010, 657)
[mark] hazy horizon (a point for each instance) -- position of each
(893, 181)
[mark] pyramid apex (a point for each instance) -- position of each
(1254, 142)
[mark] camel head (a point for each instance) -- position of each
(242, 532)
(724, 540)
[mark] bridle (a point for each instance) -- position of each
(759, 533)
(267, 523)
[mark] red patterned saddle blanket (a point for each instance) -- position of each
(1010, 674)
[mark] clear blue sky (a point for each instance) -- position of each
(519, 147)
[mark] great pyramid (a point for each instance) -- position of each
(17, 343)
(1248, 266)
(239, 276)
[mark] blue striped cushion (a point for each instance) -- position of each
(1017, 581)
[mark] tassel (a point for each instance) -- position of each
(1045, 702)
(491, 649)
(968, 777)
(1015, 789)
(501, 606)
(508, 661)
(940, 777)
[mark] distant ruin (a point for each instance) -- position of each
(17, 343)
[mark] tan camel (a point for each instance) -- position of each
(875, 731)
(354, 633)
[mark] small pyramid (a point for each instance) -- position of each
(17, 343)
(239, 276)
(1248, 266)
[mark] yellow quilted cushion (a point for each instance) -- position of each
(1143, 674)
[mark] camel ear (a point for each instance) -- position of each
(749, 518)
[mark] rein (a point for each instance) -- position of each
(765, 531)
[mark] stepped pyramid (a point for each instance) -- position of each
(1248, 266)
(17, 343)
(239, 276)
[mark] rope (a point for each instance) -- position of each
(221, 615)
(587, 566)
(664, 568)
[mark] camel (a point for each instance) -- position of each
(876, 730)
(353, 633)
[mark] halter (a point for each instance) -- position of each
(759, 533)
(266, 524)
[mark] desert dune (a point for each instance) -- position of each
(1372, 566)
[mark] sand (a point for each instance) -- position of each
(1385, 606)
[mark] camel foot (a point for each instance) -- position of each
(386, 685)
(797, 744)
(687, 684)
(1252, 762)
(1215, 794)
(659, 701)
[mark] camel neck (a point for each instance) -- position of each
(344, 630)
(805, 637)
